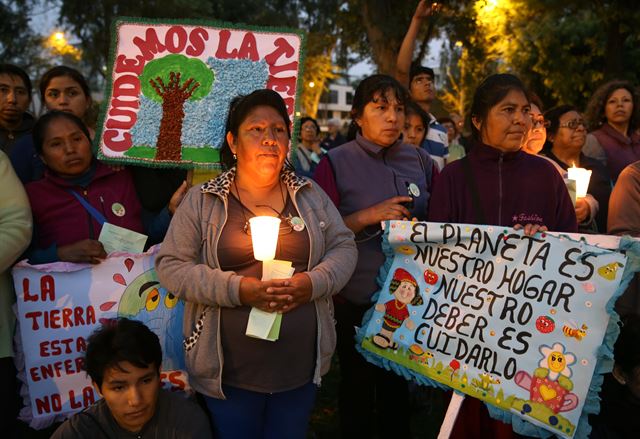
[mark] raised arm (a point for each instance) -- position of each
(405, 55)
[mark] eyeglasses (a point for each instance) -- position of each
(573, 124)
(539, 122)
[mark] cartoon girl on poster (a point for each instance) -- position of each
(404, 288)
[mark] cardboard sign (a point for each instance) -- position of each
(170, 86)
(58, 307)
(512, 320)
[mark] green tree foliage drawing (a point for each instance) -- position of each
(171, 81)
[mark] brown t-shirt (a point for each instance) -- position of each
(251, 363)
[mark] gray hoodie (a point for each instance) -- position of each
(187, 265)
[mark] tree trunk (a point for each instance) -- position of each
(169, 145)
(614, 50)
(382, 49)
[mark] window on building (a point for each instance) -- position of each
(349, 98)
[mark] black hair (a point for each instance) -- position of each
(58, 71)
(489, 93)
(417, 69)
(315, 122)
(119, 340)
(13, 70)
(240, 108)
(366, 92)
(594, 113)
(417, 298)
(553, 116)
(41, 126)
(412, 108)
(535, 100)
(626, 351)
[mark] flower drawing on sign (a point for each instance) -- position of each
(550, 388)
(556, 360)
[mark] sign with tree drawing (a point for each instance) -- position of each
(515, 321)
(170, 86)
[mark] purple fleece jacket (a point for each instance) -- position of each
(513, 188)
(60, 219)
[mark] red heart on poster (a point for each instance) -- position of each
(129, 264)
(119, 279)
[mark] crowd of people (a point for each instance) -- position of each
(398, 161)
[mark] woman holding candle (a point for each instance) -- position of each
(566, 137)
(373, 178)
(499, 184)
(613, 113)
(253, 387)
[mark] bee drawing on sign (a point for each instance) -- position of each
(572, 331)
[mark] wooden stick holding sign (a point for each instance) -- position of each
(450, 417)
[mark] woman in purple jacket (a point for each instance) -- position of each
(499, 184)
(78, 194)
(613, 114)
(375, 177)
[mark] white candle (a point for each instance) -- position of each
(581, 176)
(264, 236)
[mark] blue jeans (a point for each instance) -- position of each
(247, 414)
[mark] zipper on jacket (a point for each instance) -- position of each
(317, 378)
(500, 160)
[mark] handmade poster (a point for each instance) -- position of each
(515, 321)
(170, 84)
(60, 304)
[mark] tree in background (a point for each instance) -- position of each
(19, 45)
(91, 22)
(374, 29)
(563, 49)
(172, 80)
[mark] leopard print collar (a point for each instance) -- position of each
(221, 185)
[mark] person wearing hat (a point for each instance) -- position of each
(404, 289)
(419, 80)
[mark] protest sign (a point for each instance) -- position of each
(170, 84)
(58, 307)
(512, 320)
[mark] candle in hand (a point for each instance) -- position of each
(264, 236)
(581, 176)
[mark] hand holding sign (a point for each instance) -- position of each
(87, 250)
(512, 317)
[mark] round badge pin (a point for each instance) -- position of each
(297, 224)
(414, 189)
(118, 209)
